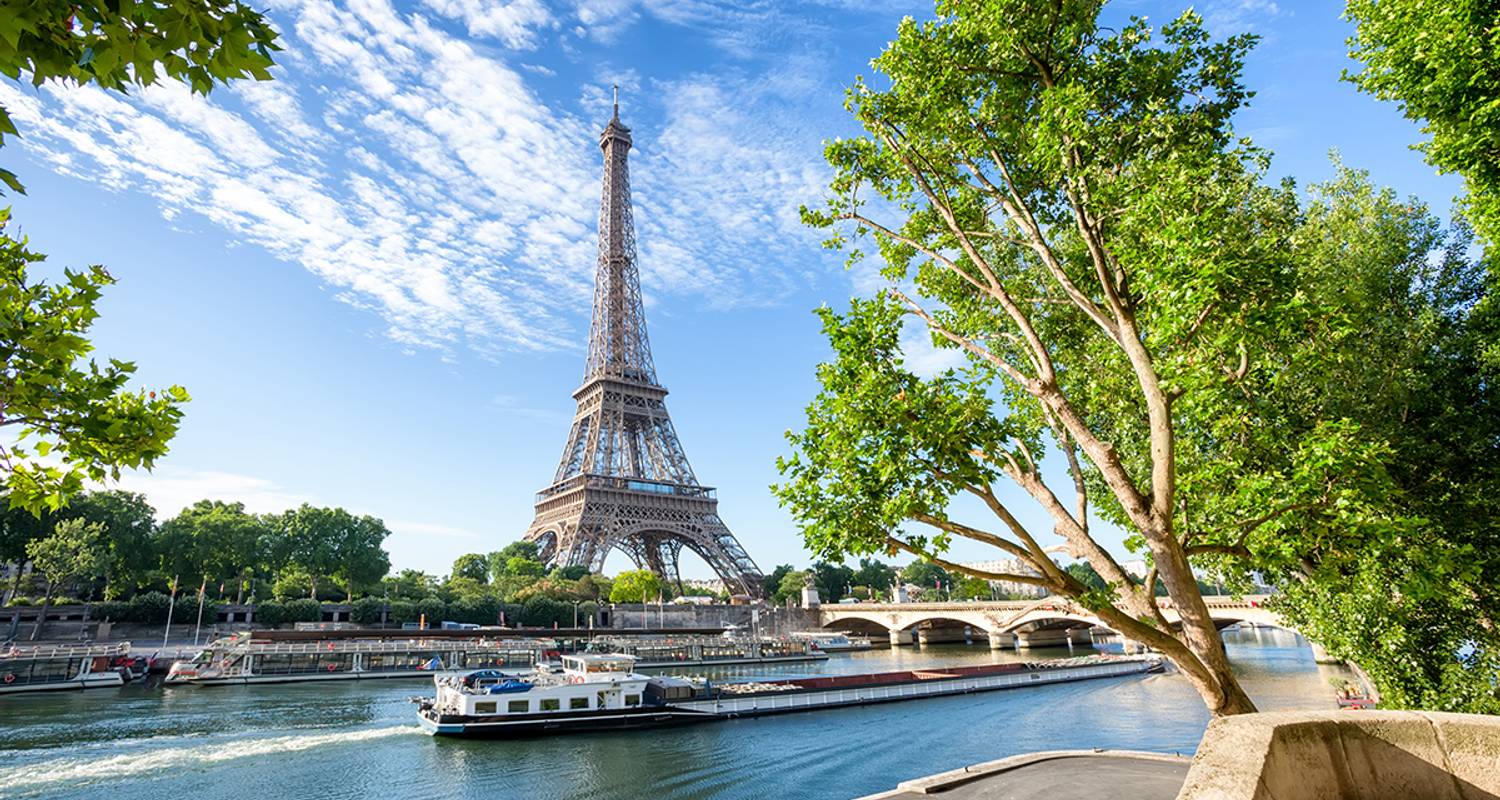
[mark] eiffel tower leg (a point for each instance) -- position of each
(668, 553)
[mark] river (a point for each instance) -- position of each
(359, 740)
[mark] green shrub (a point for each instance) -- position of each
(111, 610)
(434, 609)
(151, 608)
(270, 614)
(542, 611)
(511, 612)
(20, 600)
(304, 610)
(366, 610)
(402, 611)
(479, 611)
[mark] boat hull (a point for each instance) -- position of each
(96, 680)
(549, 724)
(679, 712)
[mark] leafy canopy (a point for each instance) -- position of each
(117, 45)
(74, 420)
(1441, 62)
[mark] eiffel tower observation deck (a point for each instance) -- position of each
(624, 482)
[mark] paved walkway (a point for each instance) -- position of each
(1055, 775)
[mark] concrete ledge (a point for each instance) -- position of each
(1363, 755)
(943, 782)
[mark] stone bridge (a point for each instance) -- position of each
(1049, 621)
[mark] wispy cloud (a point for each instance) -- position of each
(422, 178)
(170, 490)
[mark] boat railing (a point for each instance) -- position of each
(435, 645)
(65, 651)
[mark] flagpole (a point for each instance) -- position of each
(201, 588)
(171, 603)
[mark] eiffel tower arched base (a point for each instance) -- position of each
(581, 520)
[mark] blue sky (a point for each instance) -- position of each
(373, 274)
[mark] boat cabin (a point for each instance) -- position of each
(588, 682)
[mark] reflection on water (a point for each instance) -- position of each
(358, 740)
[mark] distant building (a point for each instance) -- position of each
(1136, 567)
(1010, 566)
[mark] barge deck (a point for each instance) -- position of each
(626, 699)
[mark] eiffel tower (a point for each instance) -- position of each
(624, 481)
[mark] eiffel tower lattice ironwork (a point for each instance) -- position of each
(624, 481)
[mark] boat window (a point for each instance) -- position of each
(578, 702)
(632, 699)
(484, 708)
(551, 704)
(518, 706)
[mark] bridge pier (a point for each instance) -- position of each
(926, 636)
(1080, 636)
(1053, 637)
(901, 638)
(1002, 641)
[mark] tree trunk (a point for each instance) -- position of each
(313, 592)
(1220, 688)
(41, 618)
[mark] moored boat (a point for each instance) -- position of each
(57, 667)
(653, 652)
(833, 641)
(243, 658)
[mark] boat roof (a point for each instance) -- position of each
(591, 658)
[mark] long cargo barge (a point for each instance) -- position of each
(604, 692)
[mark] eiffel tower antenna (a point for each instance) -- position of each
(623, 481)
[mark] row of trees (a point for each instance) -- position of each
(1250, 380)
(109, 545)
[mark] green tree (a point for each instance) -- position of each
(971, 588)
(1085, 574)
(210, 541)
(332, 542)
(927, 575)
(73, 551)
(569, 573)
(129, 529)
(1413, 602)
(1441, 62)
(471, 565)
(18, 528)
(773, 578)
(522, 567)
(410, 584)
(500, 559)
(832, 580)
(790, 587)
(635, 586)
(116, 46)
(71, 419)
(1070, 208)
(876, 575)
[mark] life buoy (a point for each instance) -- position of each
(332, 667)
(10, 677)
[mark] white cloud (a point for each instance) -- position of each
(921, 356)
(515, 23)
(424, 180)
(170, 490)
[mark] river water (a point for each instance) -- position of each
(359, 740)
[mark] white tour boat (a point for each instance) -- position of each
(592, 691)
(54, 667)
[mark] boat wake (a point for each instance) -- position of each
(74, 770)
